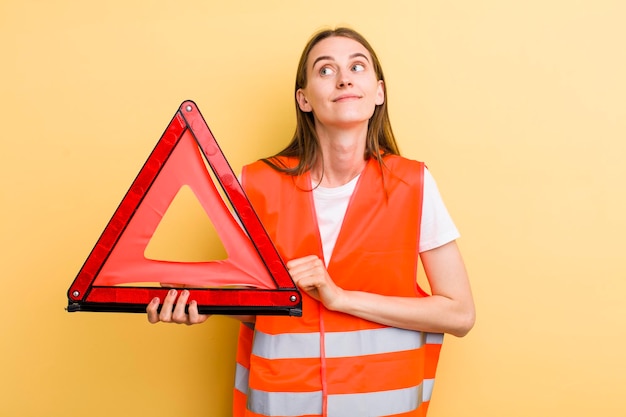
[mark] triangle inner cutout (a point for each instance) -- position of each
(252, 278)
(185, 233)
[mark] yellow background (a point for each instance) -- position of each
(517, 107)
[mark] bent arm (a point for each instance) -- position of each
(450, 309)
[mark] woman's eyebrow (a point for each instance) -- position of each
(330, 58)
(322, 58)
(359, 54)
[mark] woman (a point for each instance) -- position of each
(349, 216)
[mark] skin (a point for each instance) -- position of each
(342, 92)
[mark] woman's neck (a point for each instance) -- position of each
(343, 157)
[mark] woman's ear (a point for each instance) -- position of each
(302, 101)
(380, 93)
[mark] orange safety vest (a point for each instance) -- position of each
(327, 363)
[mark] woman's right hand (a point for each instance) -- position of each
(173, 311)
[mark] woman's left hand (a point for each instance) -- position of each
(311, 276)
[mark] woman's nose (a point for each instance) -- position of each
(344, 79)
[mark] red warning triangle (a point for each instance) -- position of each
(251, 280)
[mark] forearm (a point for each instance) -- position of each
(437, 314)
(449, 310)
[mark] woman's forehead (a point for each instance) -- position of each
(335, 47)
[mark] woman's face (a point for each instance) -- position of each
(342, 87)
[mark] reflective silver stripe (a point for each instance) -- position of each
(428, 386)
(434, 338)
(381, 403)
(286, 346)
(241, 378)
(372, 342)
(340, 344)
(285, 403)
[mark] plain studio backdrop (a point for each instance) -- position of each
(517, 108)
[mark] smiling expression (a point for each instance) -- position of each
(342, 87)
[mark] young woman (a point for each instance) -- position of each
(351, 218)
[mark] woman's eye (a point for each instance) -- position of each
(326, 71)
(358, 67)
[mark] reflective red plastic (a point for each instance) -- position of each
(252, 280)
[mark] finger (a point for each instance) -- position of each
(168, 304)
(179, 314)
(294, 263)
(152, 310)
(308, 283)
(311, 267)
(194, 316)
(311, 289)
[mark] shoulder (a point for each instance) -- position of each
(400, 164)
(259, 174)
(406, 170)
(398, 160)
(264, 167)
(275, 164)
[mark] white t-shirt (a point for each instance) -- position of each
(437, 227)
